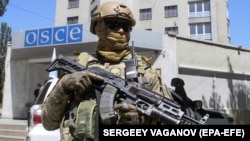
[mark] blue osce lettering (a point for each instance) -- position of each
(53, 36)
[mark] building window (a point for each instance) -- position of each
(146, 14)
(73, 4)
(171, 11)
(199, 9)
(72, 20)
(200, 31)
(171, 29)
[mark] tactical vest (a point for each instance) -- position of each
(81, 120)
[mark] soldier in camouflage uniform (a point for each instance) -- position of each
(71, 105)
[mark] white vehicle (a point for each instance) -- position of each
(35, 129)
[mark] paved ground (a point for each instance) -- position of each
(13, 121)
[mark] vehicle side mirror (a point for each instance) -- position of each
(177, 82)
(197, 104)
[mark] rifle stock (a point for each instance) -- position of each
(147, 101)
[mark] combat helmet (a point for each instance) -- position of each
(111, 10)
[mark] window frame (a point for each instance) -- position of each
(200, 30)
(145, 14)
(72, 20)
(171, 11)
(173, 29)
(199, 9)
(73, 4)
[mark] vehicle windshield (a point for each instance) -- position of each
(42, 94)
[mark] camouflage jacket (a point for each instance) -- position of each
(59, 110)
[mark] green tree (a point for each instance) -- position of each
(5, 36)
(3, 4)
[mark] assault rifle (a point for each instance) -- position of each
(147, 101)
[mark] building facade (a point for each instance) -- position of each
(197, 19)
(213, 70)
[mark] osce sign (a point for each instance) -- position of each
(53, 36)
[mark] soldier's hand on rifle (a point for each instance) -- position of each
(127, 114)
(78, 82)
